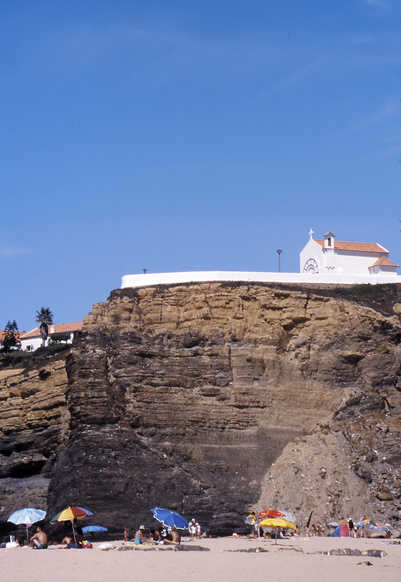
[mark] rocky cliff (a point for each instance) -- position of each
(34, 423)
(210, 398)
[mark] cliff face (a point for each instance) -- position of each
(34, 423)
(208, 398)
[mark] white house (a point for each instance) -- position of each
(32, 340)
(329, 256)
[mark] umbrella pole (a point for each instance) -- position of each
(73, 531)
(257, 523)
(27, 537)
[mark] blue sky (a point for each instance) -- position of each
(189, 135)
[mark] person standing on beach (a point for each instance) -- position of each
(351, 527)
(192, 529)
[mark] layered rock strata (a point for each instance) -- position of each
(34, 423)
(184, 396)
(209, 398)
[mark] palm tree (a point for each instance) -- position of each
(45, 318)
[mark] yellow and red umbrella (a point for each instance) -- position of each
(277, 523)
(71, 514)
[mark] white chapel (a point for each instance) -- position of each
(329, 256)
(326, 261)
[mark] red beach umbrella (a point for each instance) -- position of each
(271, 513)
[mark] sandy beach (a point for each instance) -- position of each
(230, 559)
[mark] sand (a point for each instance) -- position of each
(297, 559)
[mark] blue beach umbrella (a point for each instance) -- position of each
(27, 516)
(170, 518)
(93, 529)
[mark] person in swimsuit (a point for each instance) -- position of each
(175, 537)
(39, 540)
(158, 536)
(139, 537)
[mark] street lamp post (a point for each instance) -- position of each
(279, 251)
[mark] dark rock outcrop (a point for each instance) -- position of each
(206, 398)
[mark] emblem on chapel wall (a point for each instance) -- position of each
(311, 266)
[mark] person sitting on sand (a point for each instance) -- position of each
(139, 537)
(158, 536)
(17, 543)
(126, 534)
(39, 540)
(70, 541)
(175, 537)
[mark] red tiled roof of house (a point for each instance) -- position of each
(356, 246)
(61, 328)
(385, 262)
(68, 327)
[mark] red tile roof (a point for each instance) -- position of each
(356, 247)
(385, 262)
(61, 328)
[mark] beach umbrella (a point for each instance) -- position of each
(70, 514)
(270, 513)
(288, 516)
(170, 518)
(93, 529)
(27, 516)
(250, 519)
(277, 523)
